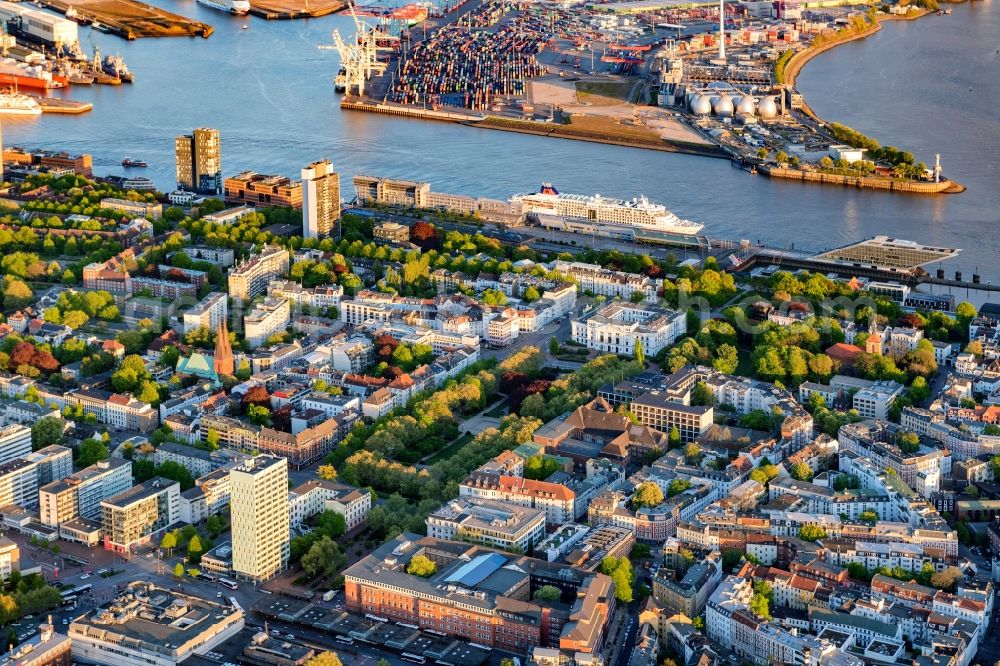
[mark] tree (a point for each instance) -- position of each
(195, 550)
(945, 580)
(701, 394)
(214, 525)
(322, 559)
(781, 157)
(46, 432)
(692, 453)
(647, 494)
(325, 659)
(548, 593)
(90, 452)
(422, 566)
(801, 472)
(258, 415)
(179, 570)
(639, 354)
(554, 346)
(765, 473)
(908, 442)
(621, 573)
(212, 439)
(812, 533)
(531, 294)
(327, 472)
(760, 606)
(868, 516)
(762, 153)
(168, 542)
(674, 439)
(677, 486)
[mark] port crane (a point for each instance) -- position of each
(358, 56)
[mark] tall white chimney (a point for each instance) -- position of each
(722, 30)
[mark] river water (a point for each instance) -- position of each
(268, 89)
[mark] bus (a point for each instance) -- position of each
(413, 658)
(346, 640)
(69, 600)
(83, 589)
(231, 584)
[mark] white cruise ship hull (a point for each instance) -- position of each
(237, 7)
(20, 112)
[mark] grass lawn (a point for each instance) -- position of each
(597, 92)
(745, 367)
(498, 412)
(450, 450)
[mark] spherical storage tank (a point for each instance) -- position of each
(724, 106)
(701, 106)
(745, 105)
(767, 108)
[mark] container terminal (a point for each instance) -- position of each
(706, 78)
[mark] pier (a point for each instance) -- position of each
(59, 105)
(865, 182)
(294, 9)
(131, 19)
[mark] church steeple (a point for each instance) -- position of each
(224, 364)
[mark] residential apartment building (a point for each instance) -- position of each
(53, 463)
(392, 233)
(320, 298)
(19, 483)
(136, 208)
(498, 524)
(267, 318)
(618, 327)
(209, 313)
(320, 201)
(199, 161)
(250, 278)
(391, 191)
(15, 442)
(80, 493)
(135, 517)
(116, 410)
(255, 189)
(603, 282)
(318, 495)
(690, 593)
(260, 519)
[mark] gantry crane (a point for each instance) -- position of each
(358, 56)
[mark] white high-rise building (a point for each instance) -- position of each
(320, 201)
(259, 506)
(15, 442)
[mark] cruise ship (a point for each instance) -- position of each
(12, 103)
(238, 7)
(636, 214)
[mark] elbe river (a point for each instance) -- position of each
(929, 86)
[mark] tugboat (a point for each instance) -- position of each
(97, 71)
(137, 164)
(340, 81)
(113, 65)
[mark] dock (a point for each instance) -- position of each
(59, 105)
(131, 19)
(294, 9)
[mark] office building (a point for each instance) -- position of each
(133, 518)
(618, 327)
(15, 442)
(259, 506)
(255, 189)
(199, 161)
(152, 626)
(209, 313)
(320, 201)
(250, 278)
(481, 595)
(270, 317)
(489, 523)
(46, 648)
(80, 493)
(556, 500)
